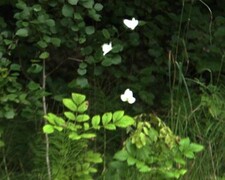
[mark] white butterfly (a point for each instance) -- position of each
(106, 48)
(128, 96)
(131, 23)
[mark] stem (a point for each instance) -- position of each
(45, 112)
(5, 165)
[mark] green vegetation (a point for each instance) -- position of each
(61, 116)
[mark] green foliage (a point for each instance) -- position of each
(153, 149)
(173, 62)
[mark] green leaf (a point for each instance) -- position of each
(82, 118)
(106, 118)
(74, 136)
(2, 144)
(118, 115)
(121, 155)
(70, 104)
(88, 135)
(56, 42)
(70, 115)
(88, 4)
(50, 118)
(106, 33)
(81, 72)
(23, 32)
(131, 161)
(73, 2)
(10, 114)
(196, 147)
(42, 44)
(44, 55)
(86, 126)
(110, 126)
(93, 157)
(117, 48)
(60, 121)
(95, 121)
(58, 128)
(35, 68)
(50, 22)
(83, 107)
(48, 129)
(89, 30)
(116, 60)
(98, 6)
(15, 67)
(125, 121)
(78, 98)
(37, 7)
(67, 10)
(33, 86)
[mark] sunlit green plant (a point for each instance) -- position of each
(151, 146)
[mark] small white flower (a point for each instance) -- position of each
(128, 96)
(106, 48)
(131, 23)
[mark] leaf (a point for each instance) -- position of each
(58, 128)
(67, 10)
(82, 118)
(81, 72)
(106, 118)
(50, 22)
(48, 129)
(121, 155)
(35, 68)
(86, 126)
(196, 147)
(70, 104)
(131, 161)
(89, 30)
(23, 32)
(106, 33)
(118, 115)
(50, 118)
(33, 86)
(78, 98)
(83, 107)
(116, 59)
(74, 136)
(117, 48)
(110, 127)
(2, 144)
(10, 114)
(88, 135)
(70, 115)
(44, 55)
(88, 4)
(73, 2)
(98, 6)
(95, 121)
(60, 121)
(93, 157)
(125, 121)
(56, 41)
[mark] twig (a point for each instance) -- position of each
(45, 112)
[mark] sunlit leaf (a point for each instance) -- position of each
(82, 118)
(106, 118)
(48, 129)
(70, 115)
(70, 104)
(125, 121)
